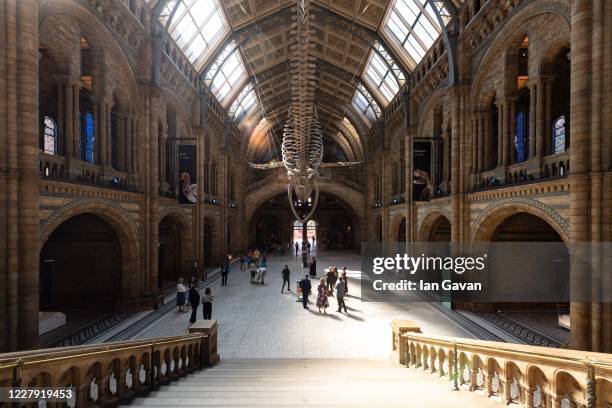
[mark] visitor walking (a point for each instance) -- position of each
(331, 279)
(194, 301)
(241, 262)
(207, 300)
(286, 272)
(224, 273)
(340, 292)
(306, 288)
(180, 295)
(308, 246)
(297, 246)
(261, 274)
(253, 270)
(313, 267)
(322, 301)
(343, 275)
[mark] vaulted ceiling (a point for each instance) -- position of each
(364, 52)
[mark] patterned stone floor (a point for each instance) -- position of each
(260, 322)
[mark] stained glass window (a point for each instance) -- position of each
(50, 135)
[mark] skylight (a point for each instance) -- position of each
(383, 75)
(413, 25)
(244, 104)
(226, 74)
(196, 27)
(366, 104)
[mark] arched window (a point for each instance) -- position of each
(559, 135)
(49, 135)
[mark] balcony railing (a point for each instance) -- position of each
(530, 376)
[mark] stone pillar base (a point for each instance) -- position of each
(400, 327)
(210, 328)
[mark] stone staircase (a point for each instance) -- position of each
(310, 383)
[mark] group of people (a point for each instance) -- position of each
(257, 264)
(327, 285)
(192, 296)
(306, 246)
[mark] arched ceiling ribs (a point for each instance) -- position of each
(449, 37)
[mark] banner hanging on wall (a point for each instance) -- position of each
(188, 175)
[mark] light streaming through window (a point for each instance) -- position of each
(380, 77)
(413, 25)
(244, 104)
(366, 104)
(196, 27)
(226, 74)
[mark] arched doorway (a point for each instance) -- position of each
(169, 253)
(80, 266)
(268, 231)
(440, 230)
(401, 233)
(523, 227)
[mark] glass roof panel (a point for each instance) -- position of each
(382, 74)
(414, 27)
(226, 74)
(244, 104)
(365, 104)
(196, 27)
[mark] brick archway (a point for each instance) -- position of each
(395, 227)
(428, 224)
(185, 236)
(494, 215)
(122, 225)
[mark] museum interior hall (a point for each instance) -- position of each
(153, 152)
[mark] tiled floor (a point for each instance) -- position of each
(260, 322)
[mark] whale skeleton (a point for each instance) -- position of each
(302, 145)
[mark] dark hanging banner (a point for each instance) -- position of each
(188, 174)
(422, 167)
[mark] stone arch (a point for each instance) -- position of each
(95, 31)
(492, 217)
(122, 225)
(257, 198)
(186, 237)
(433, 101)
(398, 222)
(429, 222)
(510, 29)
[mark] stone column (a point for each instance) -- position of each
(68, 119)
(512, 132)
(455, 159)
(481, 142)
(76, 119)
(579, 159)
(102, 131)
(539, 132)
(533, 97)
(447, 153)
(500, 134)
(19, 19)
(506, 133)
(60, 116)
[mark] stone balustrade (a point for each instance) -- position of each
(109, 374)
(529, 376)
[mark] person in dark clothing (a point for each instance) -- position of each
(297, 246)
(207, 300)
(241, 262)
(194, 301)
(224, 273)
(313, 267)
(306, 288)
(286, 274)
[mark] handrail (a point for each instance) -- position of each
(108, 374)
(514, 373)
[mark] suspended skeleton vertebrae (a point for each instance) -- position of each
(302, 146)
